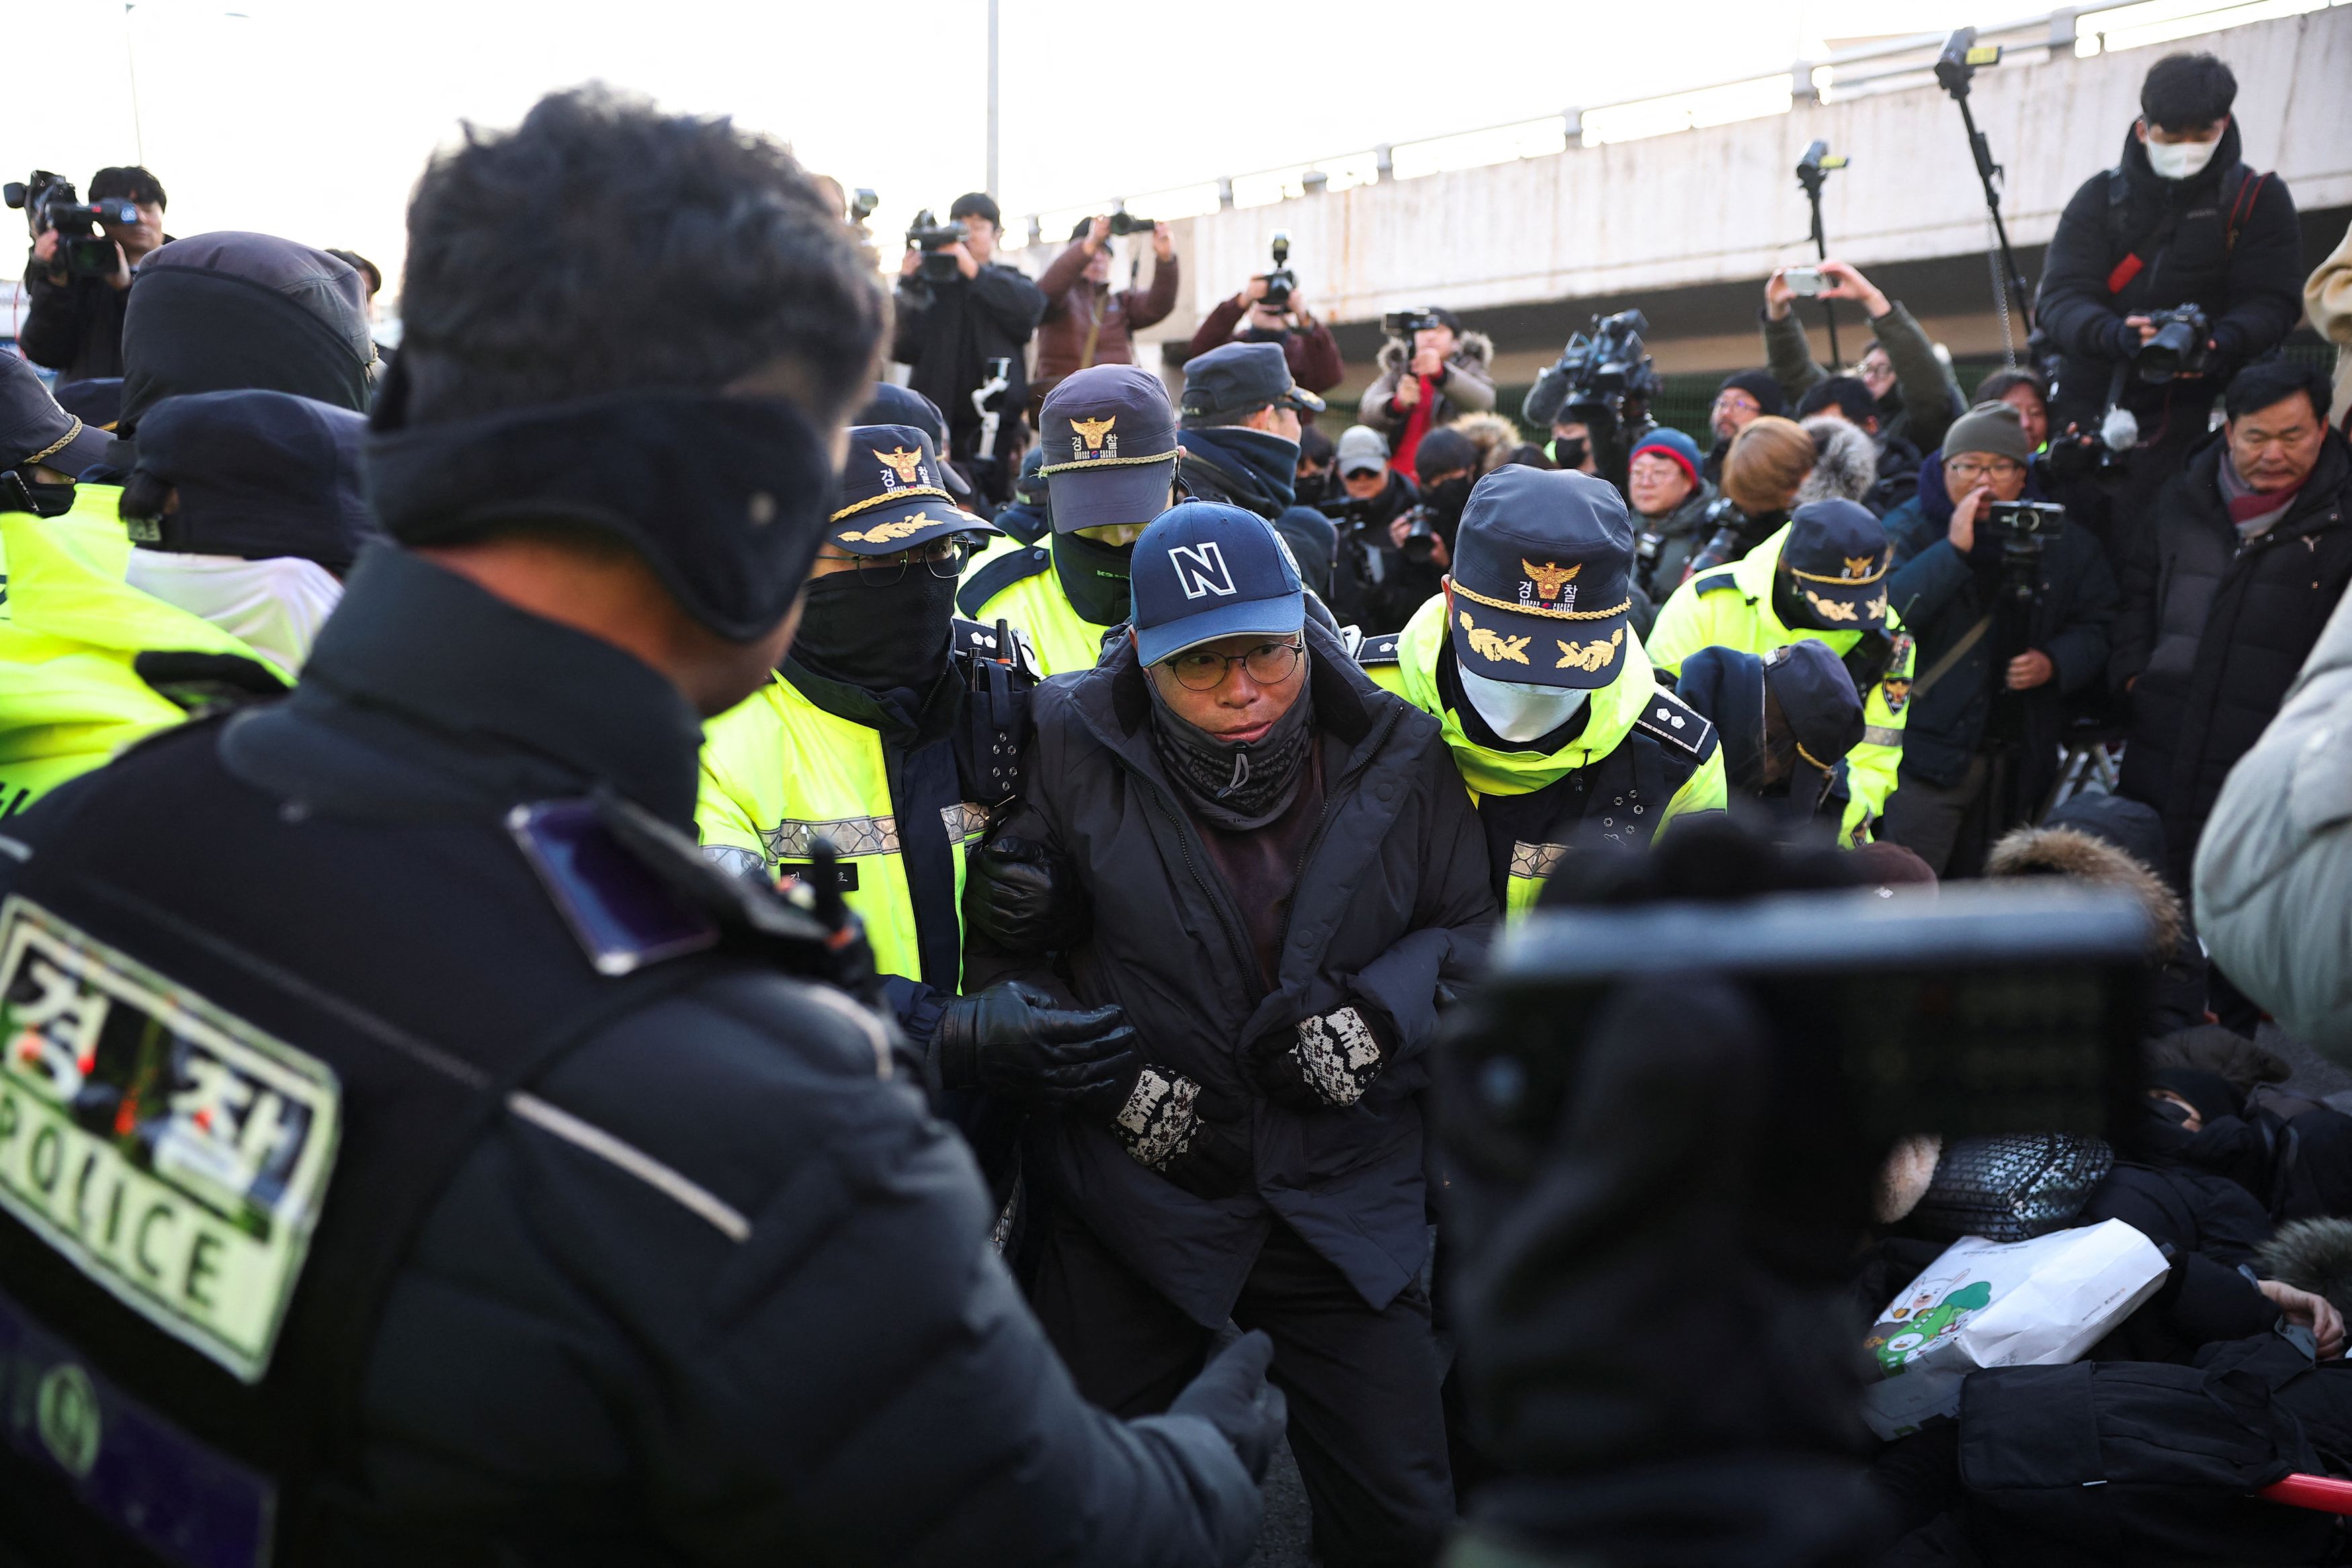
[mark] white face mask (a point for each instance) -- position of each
(2180, 160)
(1518, 711)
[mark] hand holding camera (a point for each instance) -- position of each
(66, 237)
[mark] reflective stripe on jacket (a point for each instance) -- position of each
(1702, 613)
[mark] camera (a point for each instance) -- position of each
(932, 237)
(2104, 453)
(1804, 281)
(49, 202)
(1730, 535)
(1608, 361)
(1403, 324)
(862, 202)
(1124, 223)
(2179, 344)
(2025, 530)
(1281, 280)
(1421, 535)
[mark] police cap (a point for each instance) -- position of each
(1110, 443)
(892, 497)
(1839, 555)
(1542, 579)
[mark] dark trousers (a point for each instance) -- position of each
(1365, 1422)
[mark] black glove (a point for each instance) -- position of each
(1015, 1040)
(1233, 1396)
(1328, 1060)
(1023, 898)
(1196, 1139)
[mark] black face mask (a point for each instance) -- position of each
(1313, 490)
(1448, 497)
(882, 639)
(18, 494)
(1569, 451)
(1095, 576)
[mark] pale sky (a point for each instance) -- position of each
(312, 118)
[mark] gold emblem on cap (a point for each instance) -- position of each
(1550, 577)
(1831, 609)
(1858, 566)
(906, 464)
(1593, 657)
(1092, 431)
(896, 529)
(1488, 646)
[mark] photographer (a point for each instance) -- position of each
(1744, 397)
(952, 320)
(1307, 344)
(1085, 322)
(1424, 537)
(2008, 625)
(1373, 494)
(2247, 554)
(1916, 398)
(2181, 223)
(1596, 398)
(1442, 374)
(74, 325)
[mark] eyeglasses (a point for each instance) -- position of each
(942, 558)
(1269, 664)
(1999, 468)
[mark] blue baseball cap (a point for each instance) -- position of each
(1206, 571)
(1542, 579)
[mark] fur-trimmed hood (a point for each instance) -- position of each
(2312, 1255)
(1492, 434)
(1476, 350)
(2072, 853)
(1846, 463)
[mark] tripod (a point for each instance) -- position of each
(1812, 169)
(1954, 68)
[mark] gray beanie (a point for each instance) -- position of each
(1992, 427)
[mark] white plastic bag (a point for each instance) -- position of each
(1987, 1303)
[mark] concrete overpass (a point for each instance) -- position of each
(1598, 209)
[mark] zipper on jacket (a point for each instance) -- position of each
(1314, 838)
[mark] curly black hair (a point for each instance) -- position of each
(602, 245)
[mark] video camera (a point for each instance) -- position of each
(1282, 280)
(51, 202)
(2025, 530)
(933, 238)
(1608, 361)
(2179, 345)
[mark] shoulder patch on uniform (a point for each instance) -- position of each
(992, 578)
(1715, 583)
(131, 1098)
(1667, 719)
(1380, 649)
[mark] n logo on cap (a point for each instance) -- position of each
(1201, 571)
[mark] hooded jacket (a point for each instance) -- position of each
(1846, 463)
(2250, 287)
(1468, 387)
(2211, 631)
(1727, 688)
(1942, 594)
(1389, 904)
(1641, 760)
(2276, 857)
(1924, 399)
(1731, 606)
(220, 312)
(1259, 473)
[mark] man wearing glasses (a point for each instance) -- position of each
(854, 741)
(1980, 749)
(1281, 874)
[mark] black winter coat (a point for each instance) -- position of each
(947, 333)
(573, 1363)
(2210, 635)
(1940, 594)
(1392, 901)
(2251, 289)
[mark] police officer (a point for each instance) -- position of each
(1109, 440)
(874, 734)
(1524, 657)
(426, 1156)
(1823, 577)
(1239, 413)
(1786, 721)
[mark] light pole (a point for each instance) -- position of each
(992, 99)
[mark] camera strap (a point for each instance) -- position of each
(1921, 686)
(2241, 189)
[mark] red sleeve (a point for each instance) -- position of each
(1218, 326)
(1146, 308)
(1062, 271)
(1315, 358)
